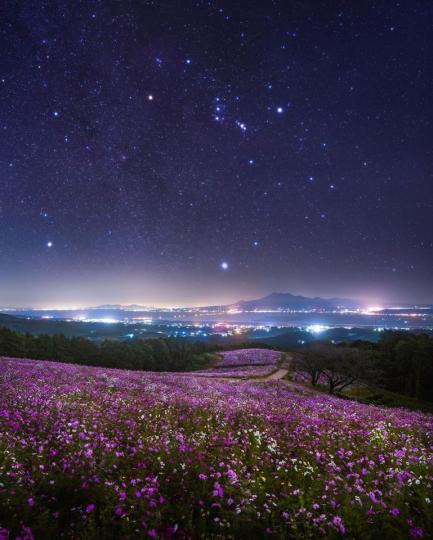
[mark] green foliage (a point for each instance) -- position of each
(378, 396)
(400, 363)
(405, 361)
(151, 355)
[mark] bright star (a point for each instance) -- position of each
(280, 110)
(49, 244)
(225, 265)
(241, 125)
(150, 97)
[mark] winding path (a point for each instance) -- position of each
(278, 375)
(275, 376)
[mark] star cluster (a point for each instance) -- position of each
(223, 149)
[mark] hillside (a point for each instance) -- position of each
(103, 453)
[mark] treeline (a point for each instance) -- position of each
(163, 354)
(150, 355)
(400, 362)
(404, 362)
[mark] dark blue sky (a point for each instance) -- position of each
(144, 144)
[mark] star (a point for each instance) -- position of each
(175, 145)
(241, 125)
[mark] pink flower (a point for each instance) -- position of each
(394, 512)
(202, 476)
(90, 508)
(416, 532)
(218, 491)
(373, 498)
(30, 501)
(233, 476)
(338, 522)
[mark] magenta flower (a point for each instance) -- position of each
(260, 445)
(338, 522)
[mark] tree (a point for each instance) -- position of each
(344, 367)
(337, 367)
(12, 343)
(311, 362)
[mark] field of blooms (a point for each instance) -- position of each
(94, 453)
(242, 372)
(249, 357)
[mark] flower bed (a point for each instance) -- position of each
(249, 357)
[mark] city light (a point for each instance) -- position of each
(316, 328)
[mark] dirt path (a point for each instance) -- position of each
(279, 374)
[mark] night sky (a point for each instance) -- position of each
(192, 152)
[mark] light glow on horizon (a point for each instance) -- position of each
(316, 328)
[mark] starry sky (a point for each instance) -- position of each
(195, 152)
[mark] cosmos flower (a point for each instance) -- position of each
(162, 443)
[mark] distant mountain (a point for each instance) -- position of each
(121, 307)
(276, 301)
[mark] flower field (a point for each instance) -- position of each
(101, 453)
(251, 357)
